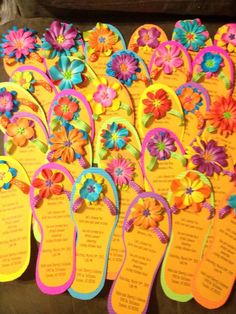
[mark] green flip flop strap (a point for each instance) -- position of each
(176, 113)
(8, 145)
(95, 116)
(198, 76)
(211, 129)
(179, 157)
(81, 125)
(152, 163)
(146, 118)
(102, 153)
(41, 146)
(225, 79)
(134, 151)
(53, 124)
(126, 108)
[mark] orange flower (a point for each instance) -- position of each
(222, 115)
(20, 131)
(101, 39)
(190, 192)
(147, 213)
(68, 145)
(157, 103)
(189, 99)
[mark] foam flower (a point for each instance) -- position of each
(8, 102)
(101, 39)
(157, 103)
(207, 157)
(121, 170)
(168, 58)
(190, 192)
(61, 39)
(66, 108)
(24, 79)
(192, 34)
(147, 213)
(226, 37)
(115, 136)
(222, 115)
(161, 145)
(6, 175)
(124, 66)
(190, 99)
(91, 188)
(67, 73)
(19, 43)
(21, 131)
(50, 183)
(148, 37)
(211, 63)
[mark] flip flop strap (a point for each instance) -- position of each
(147, 117)
(161, 235)
(27, 103)
(79, 201)
(24, 187)
(135, 187)
(224, 211)
(133, 150)
(81, 125)
(38, 198)
(175, 210)
(152, 163)
(41, 146)
(44, 84)
(35, 56)
(83, 162)
(126, 107)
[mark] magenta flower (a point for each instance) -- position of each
(169, 58)
(161, 145)
(61, 39)
(121, 170)
(148, 37)
(230, 36)
(104, 95)
(209, 157)
(6, 102)
(19, 43)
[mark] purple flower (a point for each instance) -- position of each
(209, 157)
(161, 145)
(148, 37)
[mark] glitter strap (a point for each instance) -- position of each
(24, 187)
(134, 151)
(83, 162)
(27, 103)
(224, 211)
(44, 84)
(177, 114)
(126, 108)
(53, 124)
(81, 125)
(79, 202)
(102, 153)
(225, 79)
(135, 187)
(50, 156)
(8, 145)
(40, 145)
(179, 157)
(201, 121)
(152, 163)
(35, 56)
(198, 76)
(210, 209)
(161, 235)
(147, 119)
(38, 198)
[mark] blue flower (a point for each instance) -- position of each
(232, 202)
(115, 137)
(91, 190)
(211, 62)
(191, 34)
(6, 175)
(67, 72)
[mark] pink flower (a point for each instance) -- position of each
(169, 58)
(230, 36)
(121, 170)
(148, 37)
(19, 43)
(6, 102)
(104, 95)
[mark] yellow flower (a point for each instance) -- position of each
(5, 175)
(23, 79)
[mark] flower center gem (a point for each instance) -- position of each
(105, 95)
(232, 36)
(227, 115)
(210, 63)
(146, 37)
(2, 175)
(22, 81)
(157, 103)
(67, 143)
(190, 36)
(189, 191)
(123, 67)
(68, 75)
(3, 101)
(119, 171)
(115, 136)
(65, 108)
(19, 44)
(102, 40)
(208, 157)
(48, 183)
(60, 39)
(91, 189)
(146, 212)
(161, 146)
(20, 130)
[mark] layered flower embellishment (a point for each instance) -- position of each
(100, 41)
(61, 39)
(190, 98)
(91, 188)
(122, 171)
(192, 34)
(147, 213)
(24, 79)
(19, 44)
(222, 116)
(8, 103)
(49, 183)
(21, 131)
(207, 157)
(124, 66)
(147, 38)
(115, 136)
(226, 37)
(190, 192)
(7, 174)
(168, 58)
(67, 74)
(67, 144)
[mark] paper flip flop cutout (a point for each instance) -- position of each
(162, 159)
(15, 219)
(215, 274)
(26, 139)
(159, 106)
(37, 83)
(61, 39)
(70, 107)
(123, 164)
(195, 102)
(170, 64)
(131, 71)
(95, 210)
(192, 34)
(15, 98)
(191, 200)
(146, 231)
(225, 38)
(145, 40)
(50, 194)
(21, 46)
(100, 43)
(213, 69)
